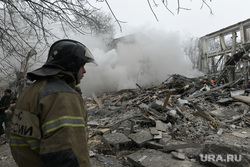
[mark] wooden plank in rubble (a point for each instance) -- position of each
(203, 114)
(139, 86)
(245, 99)
(97, 100)
(166, 100)
(119, 99)
(209, 91)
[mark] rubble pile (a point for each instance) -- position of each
(177, 123)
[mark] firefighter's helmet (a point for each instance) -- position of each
(66, 54)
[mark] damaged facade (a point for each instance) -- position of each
(226, 52)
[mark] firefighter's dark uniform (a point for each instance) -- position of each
(45, 134)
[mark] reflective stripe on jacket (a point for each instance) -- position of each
(49, 126)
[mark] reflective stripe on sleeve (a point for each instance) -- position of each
(16, 141)
(62, 122)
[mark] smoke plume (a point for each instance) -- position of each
(149, 59)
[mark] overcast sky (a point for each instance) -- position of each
(197, 22)
(150, 62)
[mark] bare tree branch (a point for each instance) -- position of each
(204, 2)
(27, 25)
(152, 10)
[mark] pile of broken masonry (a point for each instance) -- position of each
(173, 124)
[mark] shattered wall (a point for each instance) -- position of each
(226, 51)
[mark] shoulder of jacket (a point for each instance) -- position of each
(55, 85)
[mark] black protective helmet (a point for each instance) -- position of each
(68, 55)
(8, 90)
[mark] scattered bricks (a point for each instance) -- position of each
(118, 141)
(141, 138)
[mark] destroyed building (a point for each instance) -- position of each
(180, 122)
(226, 51)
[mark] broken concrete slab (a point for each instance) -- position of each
(225, 101)
(161, 126)
(141, 138)
(177, 155)
(154, 145)
(224, 113)
(150, 157)
(157, 105)
(237, 92)
(118, 141)
(172, 147)
(154, 131)
(221, 156)
(159, 136)
(165, 139)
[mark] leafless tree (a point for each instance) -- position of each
(26, 29)
(191, 50)
(154, 3)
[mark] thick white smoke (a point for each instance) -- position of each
(148, 61)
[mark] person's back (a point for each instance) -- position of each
(34, 104)
(248, 84)
(50, 120)
(212, 81)
(5, 102)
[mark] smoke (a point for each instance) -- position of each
(148, 59)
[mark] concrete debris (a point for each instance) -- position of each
(180, 122)
(180, 156)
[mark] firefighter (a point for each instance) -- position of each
(224, 79)
(205, 80)
(7, 99)
(212, 81)
(248, 84)
(49, 124)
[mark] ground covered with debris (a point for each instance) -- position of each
(179, 123)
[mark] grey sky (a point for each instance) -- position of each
(197, 21)
(154, 61)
